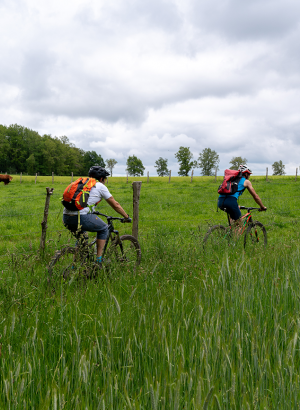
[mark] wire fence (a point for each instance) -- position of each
(31, 233)
(195, 184)
(193, 222)
(18, 215)
(166, 204)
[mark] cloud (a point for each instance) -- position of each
(145, 78)
(254, 20)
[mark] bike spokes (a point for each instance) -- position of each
(217, 240)
(255, 237)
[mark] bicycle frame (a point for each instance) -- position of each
(111, 230)
(245, 218)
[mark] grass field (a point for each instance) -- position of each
(188, 330)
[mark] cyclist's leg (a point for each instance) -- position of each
(92, 223)
(230, 204)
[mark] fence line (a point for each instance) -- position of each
(29, 233)
(10, 216)
(158, 203)
(155, 220)
(164, 203)
(29, 196)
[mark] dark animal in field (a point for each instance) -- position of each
(5, 178)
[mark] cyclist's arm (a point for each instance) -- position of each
(116, 206)
(248, 185)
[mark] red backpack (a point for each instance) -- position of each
(76, 194)
(230, 183)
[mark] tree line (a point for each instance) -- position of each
(24, 150)
(208, 162)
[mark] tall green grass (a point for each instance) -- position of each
(188, 330)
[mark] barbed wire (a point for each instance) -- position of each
(125, 203)
(18, 215)
(196, 224)
(31, 233)
(191, 184)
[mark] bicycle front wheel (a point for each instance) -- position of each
(216, 239)
(255, 236)
(126, 251)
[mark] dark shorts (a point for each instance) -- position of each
(88, 222)
(230, 205)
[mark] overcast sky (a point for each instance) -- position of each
(143, 77)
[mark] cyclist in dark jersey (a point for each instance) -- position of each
(229, 202)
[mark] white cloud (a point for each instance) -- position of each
(144, 78)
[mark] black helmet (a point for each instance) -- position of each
(98, 172)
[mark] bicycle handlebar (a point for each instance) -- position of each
(251, 208)
(113, 218)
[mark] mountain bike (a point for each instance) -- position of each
(220, 237)
(119, 250)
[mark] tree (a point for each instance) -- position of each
(110, 163)
(184, 157)
(91, 158)
(135, 166)
(30, 162)
(208, 161)
(23, 149)
(237, 161)
(278, 168)
(4, 150)
(162, 167)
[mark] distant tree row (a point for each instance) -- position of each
(208, 161)
(278, 167)
(24, 150)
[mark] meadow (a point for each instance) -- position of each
(187, 330)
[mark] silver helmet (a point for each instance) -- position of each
(244, 168)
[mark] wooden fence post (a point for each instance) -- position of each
(44, 222)
(192, 175)
(170, 176)
(72, 178)
(266, 173)
(35, 178)
(52, 177)
(136, 185)
(21, 178)
(296, 174)
(147, 177)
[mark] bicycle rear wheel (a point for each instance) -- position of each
(125, 251)
(63, 262)
(216, 239)
(255, 236)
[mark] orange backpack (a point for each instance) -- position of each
(76, 195)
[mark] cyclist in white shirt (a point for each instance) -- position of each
(91, 222)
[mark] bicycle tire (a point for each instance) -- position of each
(216, 239)
(124, 250)
(253, 236)
(62, 261)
